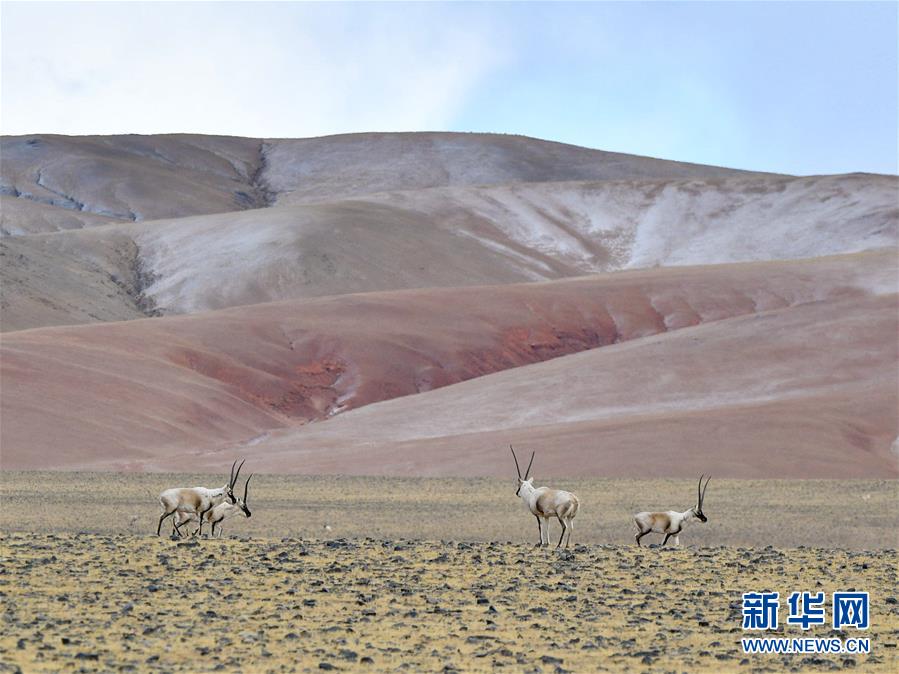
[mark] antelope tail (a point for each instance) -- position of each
(573, 507)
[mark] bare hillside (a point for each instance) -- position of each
(131, 177)
(168, 176)
(20, 216)
(148, 390)
(334, 167)
(441, 237)
(807, 391)
(404, 303)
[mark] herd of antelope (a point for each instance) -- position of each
(213, 506)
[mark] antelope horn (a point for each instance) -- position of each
(231, 479)
(234, 479)
(517, 467)
(702, 496)
(528, 471)
(245, 487)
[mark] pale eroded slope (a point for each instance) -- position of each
(463, 236)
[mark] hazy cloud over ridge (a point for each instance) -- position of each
(797, 88)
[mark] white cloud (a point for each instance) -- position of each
(243, 69)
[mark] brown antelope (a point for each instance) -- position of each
(671, 522)
(199, 500)
(218, 514)
(544, 503)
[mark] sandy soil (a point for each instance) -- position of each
(405, 582)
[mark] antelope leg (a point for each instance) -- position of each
(164, 515)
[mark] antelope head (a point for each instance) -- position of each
(242, 503)
(700, 496)
(229, 490)
(522, 480)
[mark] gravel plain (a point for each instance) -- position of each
(340, 600)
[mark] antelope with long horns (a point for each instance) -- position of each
(544, 503)
(671, 523)
(219, 513)
(199, 500)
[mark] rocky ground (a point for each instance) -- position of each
(351, 574)
(136, 603)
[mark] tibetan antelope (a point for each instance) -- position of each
(197, 500)
(544, 503)
(218, 514)
(671, 523)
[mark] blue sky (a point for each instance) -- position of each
(790, 87)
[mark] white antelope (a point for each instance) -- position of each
(671, 523)
(218, 514)
(197, 500)
(544, 503)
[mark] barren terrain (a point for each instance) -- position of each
(780, 394)
(429, 575)
(862, 513)
(370, 320)
(405, 304)
(441, 237)
(122, 177)
(221, 379)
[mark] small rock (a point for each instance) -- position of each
(248, 637)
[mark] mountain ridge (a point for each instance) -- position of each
(402, 303)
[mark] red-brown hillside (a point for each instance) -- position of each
(141, 391)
